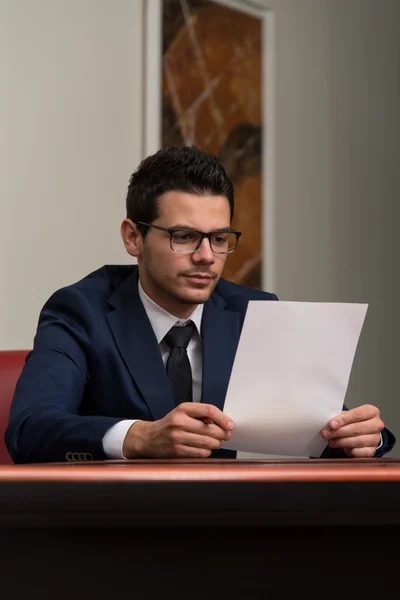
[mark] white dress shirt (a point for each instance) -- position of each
(161, 321)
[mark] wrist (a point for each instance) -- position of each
(134, 442)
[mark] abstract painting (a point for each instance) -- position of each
(212, 97)
(208, 81)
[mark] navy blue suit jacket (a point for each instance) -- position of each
(96, 361)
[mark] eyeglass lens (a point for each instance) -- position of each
(186, 241)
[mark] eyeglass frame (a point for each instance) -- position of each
(172, 230)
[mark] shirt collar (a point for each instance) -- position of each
(162, 321)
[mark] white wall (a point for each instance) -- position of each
(70, 121)
(365, 189)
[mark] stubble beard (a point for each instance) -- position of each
(170, 290)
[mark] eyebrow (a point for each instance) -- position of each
(188, 228)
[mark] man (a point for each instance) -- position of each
(134, 362)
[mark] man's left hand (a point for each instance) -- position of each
(357, 431)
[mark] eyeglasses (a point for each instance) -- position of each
(189, 240)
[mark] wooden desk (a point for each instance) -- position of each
(201, 529)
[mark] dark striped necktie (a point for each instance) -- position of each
(178, 368)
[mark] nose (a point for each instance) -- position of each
(204, 254)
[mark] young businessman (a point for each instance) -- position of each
(134, 361)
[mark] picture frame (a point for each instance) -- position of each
(154, 60)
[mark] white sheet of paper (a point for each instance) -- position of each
(290, 374)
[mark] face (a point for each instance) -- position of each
(179, 281)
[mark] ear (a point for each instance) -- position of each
(132, 238)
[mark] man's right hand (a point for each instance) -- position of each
(191, 430)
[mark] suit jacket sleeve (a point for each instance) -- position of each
(45, 423)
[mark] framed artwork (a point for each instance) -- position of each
(208, 81)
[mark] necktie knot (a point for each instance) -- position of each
(179, 337)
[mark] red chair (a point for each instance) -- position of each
(11, 363)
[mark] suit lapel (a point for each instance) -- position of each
(220, 334)
(138, 346)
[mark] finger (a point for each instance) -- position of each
(368, 452)
(214, 431)
(199, 427)
(198, 410)
(354, 429)
(182, 451)
(360, 413)
(361, 441)
(198, 441)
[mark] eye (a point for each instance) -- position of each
(220, 239)
(184, 237)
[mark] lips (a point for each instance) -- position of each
(199, 278)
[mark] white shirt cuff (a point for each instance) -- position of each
(113, 440)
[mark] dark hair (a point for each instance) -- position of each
(185, 169)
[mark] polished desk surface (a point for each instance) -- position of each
(192, 470)
(190, 492)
